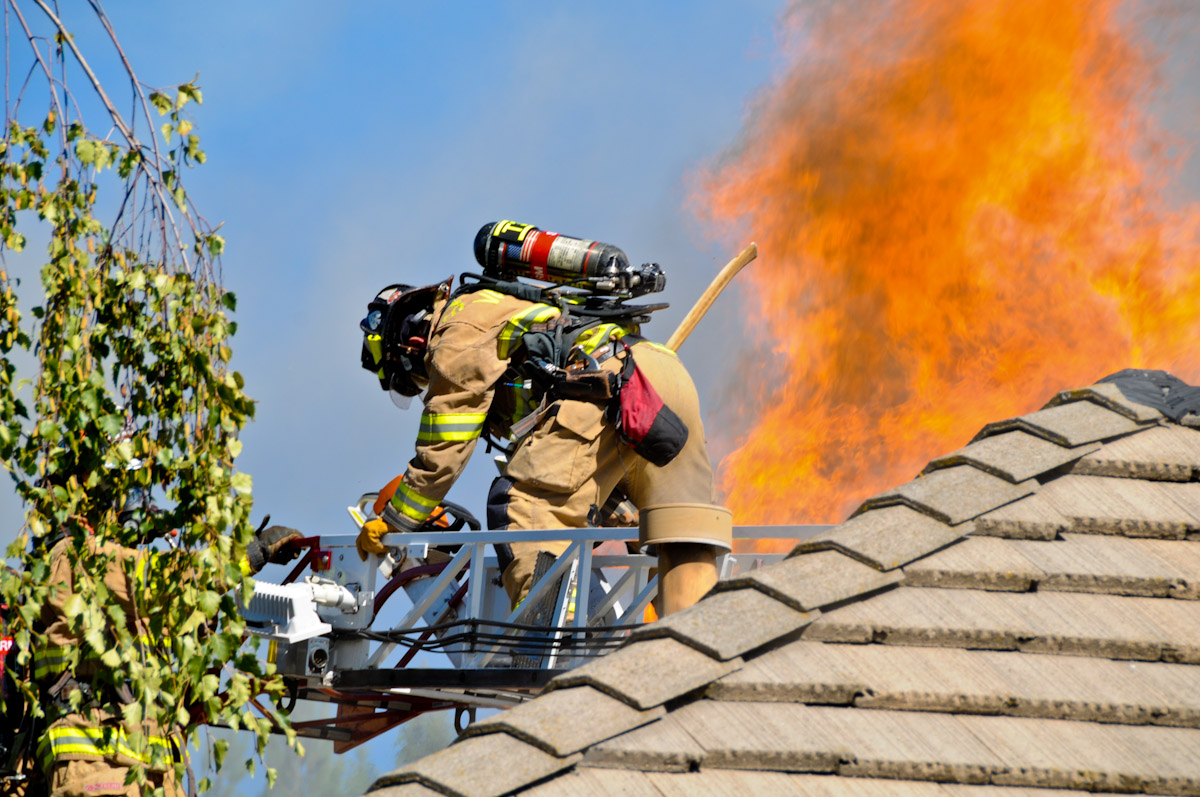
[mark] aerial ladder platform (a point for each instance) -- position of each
(330, 639)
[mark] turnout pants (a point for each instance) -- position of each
(574, 459)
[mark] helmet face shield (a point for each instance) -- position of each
(395, 337)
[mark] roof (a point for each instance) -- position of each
(1023, 615)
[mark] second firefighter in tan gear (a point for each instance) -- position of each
(569, 462)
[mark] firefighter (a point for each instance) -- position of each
(85, 749)
(464, 351)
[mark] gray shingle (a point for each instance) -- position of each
(1108, 626)
(1068, 425)
(1129, 507)
(727, 783)
(1162, 453)
(648, 673)
(758, 736)
(406, 790)
(970, 681)
(886, 538)
(739, 783)
(1116, 565)
(925, 746)
(1084, 755)
(810, 580)
(1031, 518)
(730, 623)
(587, 782)
(1014, 456)
(566, 720)
(976, 563)
(1076, 563)
(472, 767)
(1108, 395)
(952, 495)
(663, 746)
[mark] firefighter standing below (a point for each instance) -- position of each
(87, 750)
(466, 351)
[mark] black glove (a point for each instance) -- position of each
(271, 545)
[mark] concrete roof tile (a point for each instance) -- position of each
(727, 624)
(566, 720)
(1108, 395)
(970, 681)
(406, 790)
(1014, 456)
(976, 563)
(808, 581)
(914, 745)
(1070, 425)
(886, 538)
(952, 495)
(1107, 626)
(471, 767)
(1032, 518)
(647, 673)
(663, 746)
(729, 783)
(1161, 453)
(588, 782)
(1076, 563)
(1084, 755)
(1116, 565)
(759, 736)
(1128, 507)
(740, 783)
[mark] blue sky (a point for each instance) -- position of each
(351, 145)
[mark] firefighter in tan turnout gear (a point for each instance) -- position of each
(86, 750)
(582, 404)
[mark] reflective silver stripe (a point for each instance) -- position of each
(521, 323)
(453, 426)
(409, 502)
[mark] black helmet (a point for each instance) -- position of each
(396, 335)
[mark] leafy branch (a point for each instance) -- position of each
(129, 389)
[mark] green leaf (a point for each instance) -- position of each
(73, 606)
(161, 103)
(241, 482)
(85, 150)
(229, 298)
(209, 602)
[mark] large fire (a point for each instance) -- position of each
(960, 211)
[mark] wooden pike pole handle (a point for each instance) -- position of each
(709, 296)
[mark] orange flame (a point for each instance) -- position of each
(959, 211)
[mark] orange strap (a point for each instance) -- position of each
(385, 495)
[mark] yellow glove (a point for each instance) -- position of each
(370, 538)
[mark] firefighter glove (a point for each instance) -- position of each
(370, 538)
(271, 545)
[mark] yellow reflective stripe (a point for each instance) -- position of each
(375, 346)
(521, 323)
(592, 339)
(410, 503)
(439, 427)
(99, 742)
(522, 396)
(49, 661)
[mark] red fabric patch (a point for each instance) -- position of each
(640, 405)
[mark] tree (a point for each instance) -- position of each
(129, 364)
